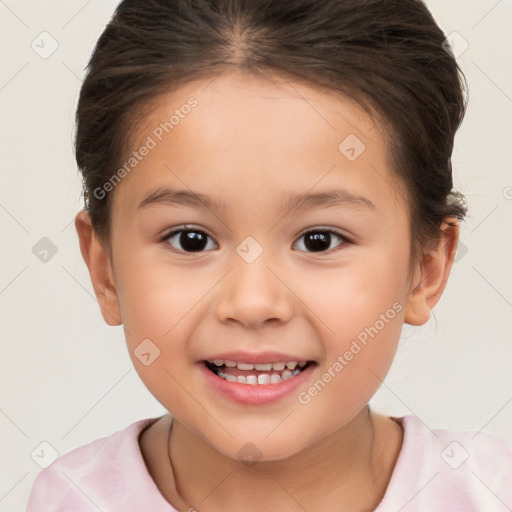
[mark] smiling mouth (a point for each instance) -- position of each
(254, 374)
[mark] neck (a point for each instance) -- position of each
(349, 469)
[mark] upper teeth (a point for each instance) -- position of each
(265, 367)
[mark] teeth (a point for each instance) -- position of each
(264, 367)
(245, 366)
(275, 379)
(252, 379)
(287, 374)
(286, 370)
(262, 378)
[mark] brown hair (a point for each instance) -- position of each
(388, 55)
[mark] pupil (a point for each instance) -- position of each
(317, 242)
(192, 241)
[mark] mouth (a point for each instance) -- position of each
(257, 374)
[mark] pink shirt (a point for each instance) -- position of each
(436, 471)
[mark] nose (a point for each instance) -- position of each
(255, 294)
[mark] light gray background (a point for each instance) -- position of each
(66, 376)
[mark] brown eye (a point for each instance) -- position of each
(188, 240)
(320, 240)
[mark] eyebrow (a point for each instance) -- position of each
(327, 199)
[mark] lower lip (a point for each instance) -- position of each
(256, 394)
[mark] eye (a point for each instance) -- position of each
(319, 240)
(190, 239)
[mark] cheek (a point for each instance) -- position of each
(157, 304)
(360, 312)
(349, 299)
(157, 337)
(356, 362)
(155, 296)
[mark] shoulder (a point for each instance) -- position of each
(467, 450)
(94, 476)
(450, 470)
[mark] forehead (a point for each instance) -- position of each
(250, 136)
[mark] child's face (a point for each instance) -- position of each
(253, 145)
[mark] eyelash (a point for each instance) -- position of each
(343, 238)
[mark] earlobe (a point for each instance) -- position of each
(430, 280)
(98, 262)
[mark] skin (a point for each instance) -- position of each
(250, 142)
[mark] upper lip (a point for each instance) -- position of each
(256, 357)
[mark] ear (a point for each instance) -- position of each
(98, 261)
(431, 276)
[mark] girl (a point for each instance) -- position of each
(268, 199)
